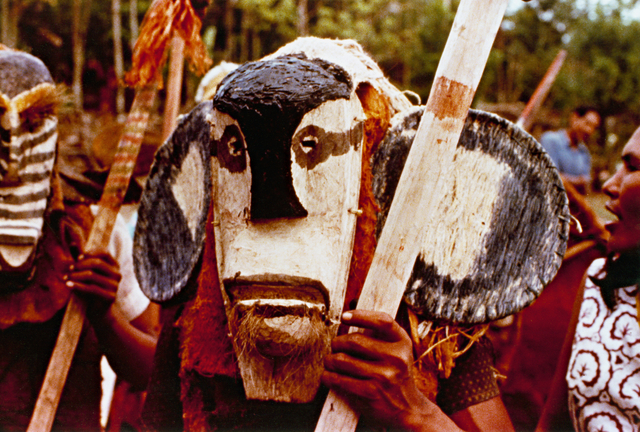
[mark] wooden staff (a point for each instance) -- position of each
(174, 87)
(419, 189)
(163, 18)
(108, 208)
(531, 109)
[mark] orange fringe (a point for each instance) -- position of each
(150, 54)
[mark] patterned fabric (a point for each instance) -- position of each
(604, 371)
(473, 380)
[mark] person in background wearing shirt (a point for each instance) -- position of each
(567, 148)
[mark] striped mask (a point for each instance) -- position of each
(28, 137)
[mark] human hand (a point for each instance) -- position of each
(94, 277)
(374, 371)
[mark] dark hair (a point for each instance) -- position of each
(582, 110)
(619, 271)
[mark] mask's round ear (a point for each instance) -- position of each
(500, 230)
(173, 210)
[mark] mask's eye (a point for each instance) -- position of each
(4, 164)
(231, 149)
(33, 117)
(5, 135)
(309, 143)
(235, 146)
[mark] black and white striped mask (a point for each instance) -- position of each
(28, 137)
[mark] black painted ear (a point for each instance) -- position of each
(500, 231)
(170, 231)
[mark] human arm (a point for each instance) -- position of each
(580, 183)
(590, 224)
(374, 371)
(95, 277)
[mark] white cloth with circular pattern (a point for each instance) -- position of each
(604, 370)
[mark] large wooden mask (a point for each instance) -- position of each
(278, 154)
(288, 136)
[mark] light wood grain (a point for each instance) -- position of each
(49, 397)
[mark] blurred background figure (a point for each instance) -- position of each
(209, 83)
(568, 150)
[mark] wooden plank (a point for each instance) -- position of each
(459, 72)
(109, 205)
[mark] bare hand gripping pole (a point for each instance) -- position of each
(459, 72)
(163, 18)
(109, 205)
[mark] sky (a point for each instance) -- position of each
(513, 5)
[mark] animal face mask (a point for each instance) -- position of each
(280, 146)
(288, 174)
(277, 154)
(28, 136)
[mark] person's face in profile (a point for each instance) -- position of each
(623, 190)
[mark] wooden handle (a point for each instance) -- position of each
(419, 189)
(531, 109)
(174, 87)
(51, 390)
(108, 207)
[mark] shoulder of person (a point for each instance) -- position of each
(596, 267)
(551, 140)
(554, 136)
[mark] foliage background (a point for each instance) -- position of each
(406, 37)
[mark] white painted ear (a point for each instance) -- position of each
(502, 224)
(173, 210)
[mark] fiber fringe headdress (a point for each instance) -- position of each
(149, 54)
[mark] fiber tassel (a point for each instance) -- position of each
(150, 53)
(439, 346)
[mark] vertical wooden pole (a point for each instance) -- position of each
(419, 189)
(108, 207)
(174, 87)
(118, 62)
(533, 106)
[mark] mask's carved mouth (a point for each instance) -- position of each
(275, 286)
(279, 316)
